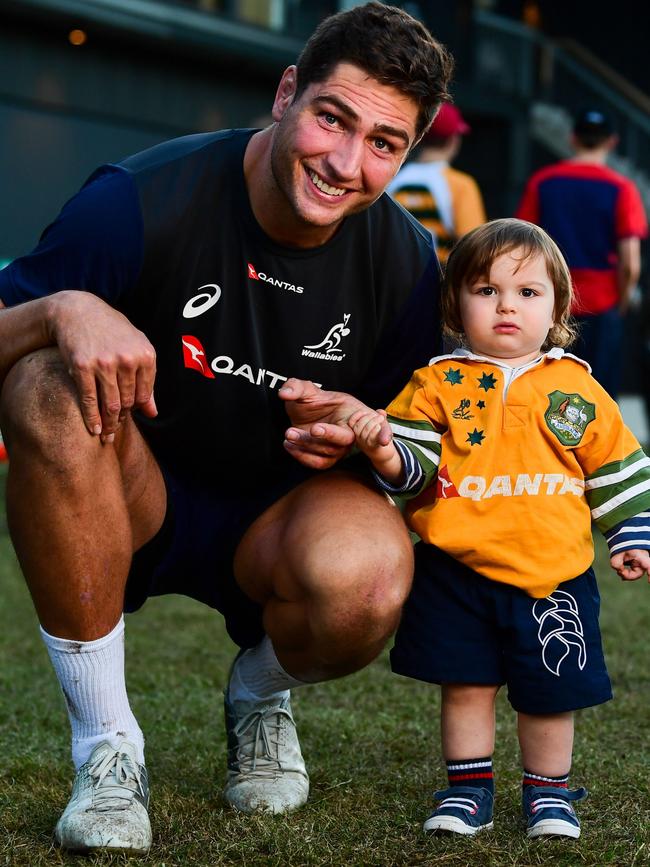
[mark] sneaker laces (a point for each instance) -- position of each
(549, 803)
(113, 775)
(255, 755)
(460, 804)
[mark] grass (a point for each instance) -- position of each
(371, 742)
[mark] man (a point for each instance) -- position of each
(218, 266)
(447, 202)
(597, 217)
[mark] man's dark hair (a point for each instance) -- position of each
(390, 46)
(591, 139)
(592, 128)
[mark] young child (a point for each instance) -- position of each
(510, 449)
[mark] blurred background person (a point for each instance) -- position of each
(446, 201)
(597, 217)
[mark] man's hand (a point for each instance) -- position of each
(631, 565)
(320, 435)
(111, 362)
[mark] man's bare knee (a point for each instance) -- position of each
(361, 599)
(369, 558)
(38, 404)
(342, 614)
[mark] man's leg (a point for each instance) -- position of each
(77, 510)
(331, 563)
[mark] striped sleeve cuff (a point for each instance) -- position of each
(412, 470)
(632, 533)
(619, 490)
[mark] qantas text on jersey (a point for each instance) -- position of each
(254, 274)
(195, 359)
(539, 484)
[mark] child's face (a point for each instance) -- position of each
(509, 316)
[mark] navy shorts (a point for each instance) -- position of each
(192, 553)
(459, 627)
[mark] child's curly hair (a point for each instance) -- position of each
(472, 257)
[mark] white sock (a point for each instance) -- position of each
(257, 675)
(91, 675)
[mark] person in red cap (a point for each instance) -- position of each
(446, 201)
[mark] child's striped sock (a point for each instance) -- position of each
(471, 772)
(561, 782)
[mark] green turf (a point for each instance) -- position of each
(371, 743)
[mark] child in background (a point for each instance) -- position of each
(509, 449)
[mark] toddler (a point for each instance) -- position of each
(508, 449)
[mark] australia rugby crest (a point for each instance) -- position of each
(568, 415)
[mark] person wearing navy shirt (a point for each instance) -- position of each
(596, 216)
(151, 347)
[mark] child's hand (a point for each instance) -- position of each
(371, 430)
(631, 565)
(375, 439)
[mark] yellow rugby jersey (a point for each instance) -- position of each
(515, 473)
(415, 189)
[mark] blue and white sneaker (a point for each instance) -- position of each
(462, 810)
(549, 813)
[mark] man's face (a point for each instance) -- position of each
(336, 148)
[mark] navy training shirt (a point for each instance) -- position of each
(169, 238)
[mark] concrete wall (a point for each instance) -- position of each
(65, 110)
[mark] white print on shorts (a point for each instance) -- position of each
(559, 630)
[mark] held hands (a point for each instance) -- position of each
(319, 434)
(631, 565)
(111, 362)
(369, 428)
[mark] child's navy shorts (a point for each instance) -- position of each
(459, 627)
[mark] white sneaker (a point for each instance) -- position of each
(266, 771)
(108, 805)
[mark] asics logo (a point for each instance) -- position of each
(203, 302)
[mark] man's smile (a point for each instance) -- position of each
(323, 186)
